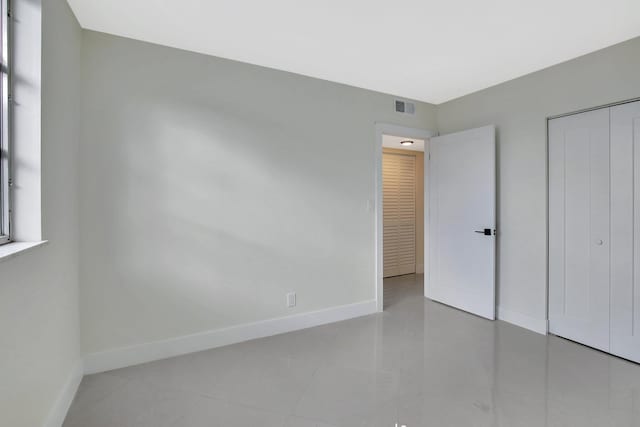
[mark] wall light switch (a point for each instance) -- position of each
(291, 299)
(370, 205)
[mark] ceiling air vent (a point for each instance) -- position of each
(405, 107)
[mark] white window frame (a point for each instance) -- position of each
(5, 116)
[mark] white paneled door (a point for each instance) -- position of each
(462, 220)
(579, 228)
(594, 228)
(399, 209)
(625, 230)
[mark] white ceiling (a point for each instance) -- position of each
(391, 141)
(430, 50)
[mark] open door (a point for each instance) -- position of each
(462, 221)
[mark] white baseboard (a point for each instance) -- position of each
(61, 406)
(523, 320)
(134, 355)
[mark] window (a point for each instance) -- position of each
(5, 195)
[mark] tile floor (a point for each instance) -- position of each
(417, 364)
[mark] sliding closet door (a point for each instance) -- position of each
(579, 228)
(625, 231)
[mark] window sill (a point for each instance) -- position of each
(12, 249)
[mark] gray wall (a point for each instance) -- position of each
(519, 109)
(210, 188)
(39, 289)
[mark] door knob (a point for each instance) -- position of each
(599, 242)
(486, 232)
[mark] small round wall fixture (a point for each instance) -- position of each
(406, 142)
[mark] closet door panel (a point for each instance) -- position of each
(625, 231)
(579, 228)
(399, 211)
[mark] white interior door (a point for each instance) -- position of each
(579, 228)
(462, 200)
(625, 231)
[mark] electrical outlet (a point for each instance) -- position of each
(291, 299)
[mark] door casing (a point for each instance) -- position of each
(408, 132)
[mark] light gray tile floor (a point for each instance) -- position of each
(417, 364)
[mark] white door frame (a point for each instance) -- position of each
(396, 130)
